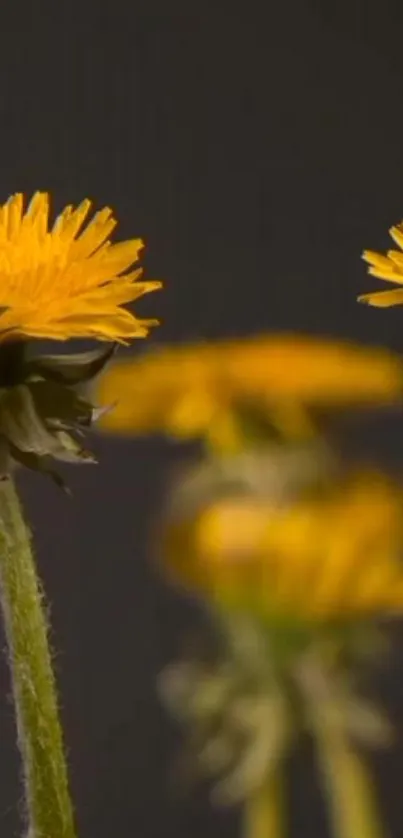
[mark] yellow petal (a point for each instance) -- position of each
(390, 275)
(114, 260)
(376, 259)
(396, 232)
(396, 256)
(52, 280)
(118, 293)
(37, 211)
(69, 221)
(14, 206)
(382, 299)
(384, 267)
(94, 234)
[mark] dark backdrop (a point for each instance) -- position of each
(257, 147)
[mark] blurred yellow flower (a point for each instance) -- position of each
(61, 283)
(389, 267)
(332, 555)
(191, 391)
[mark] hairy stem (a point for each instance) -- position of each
(48, 808)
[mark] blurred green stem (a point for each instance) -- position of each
(348, 786)
(48, 807)
(263, 811)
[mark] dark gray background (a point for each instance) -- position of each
(257, 148)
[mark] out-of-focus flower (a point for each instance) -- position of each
(61, 282)
(331, 555)
(389, 267)
(296, 574)
(296, 557)
(204, 389)
(245, 712)
(239, 721)
(65, 282)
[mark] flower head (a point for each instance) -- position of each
(66, 281)
(331, 555)
(389, 267)
(192, 391)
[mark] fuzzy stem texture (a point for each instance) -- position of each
(49, 811)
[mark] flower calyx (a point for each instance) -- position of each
(44, 410)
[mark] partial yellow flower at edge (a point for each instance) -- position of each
(390, 268)
(67, 281)
(182, 390)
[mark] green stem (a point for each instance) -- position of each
(49, 810)
(263, 812)
(348, 786)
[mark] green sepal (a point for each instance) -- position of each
(40, 464)
(69, 369)
(41, 412)
(71, 451)
(56, 402)
(27, 430)
(21, 424)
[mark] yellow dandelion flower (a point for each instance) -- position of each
(59, 282)
(67, 281)
(331, 556)
(389, 267)
(190, 391)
